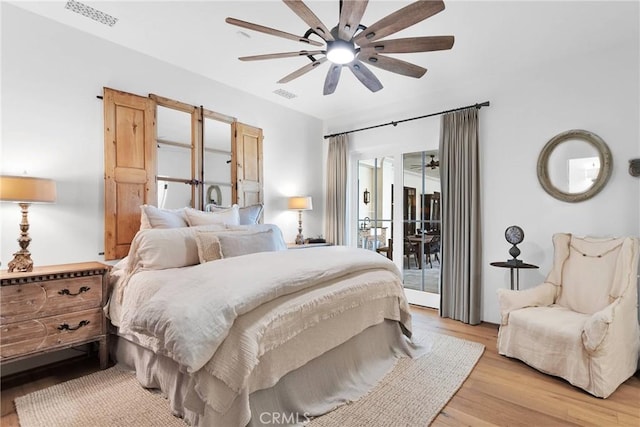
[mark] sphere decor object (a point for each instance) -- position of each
(514, 235)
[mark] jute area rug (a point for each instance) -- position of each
(412, 394)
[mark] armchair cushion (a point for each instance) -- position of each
(549, 338)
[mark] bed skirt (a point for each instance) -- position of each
(340, 375)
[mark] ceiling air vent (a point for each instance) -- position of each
(90, 12)
(283, 93)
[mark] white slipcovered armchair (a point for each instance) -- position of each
(581, 324)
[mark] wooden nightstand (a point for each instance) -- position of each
(52, 308)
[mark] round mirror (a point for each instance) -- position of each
(574, 165)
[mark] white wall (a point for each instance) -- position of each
(596, 91)
(52, 126)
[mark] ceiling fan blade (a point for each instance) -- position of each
(310, 18)
(271, 31)
(300, 71)
(365, 75)
(411, 44)
(394, 65)
(399, 20)
(331, 82)
(281, 55)
(350, 16)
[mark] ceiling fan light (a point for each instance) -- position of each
(340, 52)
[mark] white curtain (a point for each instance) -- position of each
(336, 203)
(461, 233)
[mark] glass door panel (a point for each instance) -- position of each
(176, 157)
(217, 162)
(173, 195)
(421, 221)
(375, 204)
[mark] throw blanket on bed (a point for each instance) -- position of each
(192, 315)
(280, 336)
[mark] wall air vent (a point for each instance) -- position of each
(283, 93)
(89, 12)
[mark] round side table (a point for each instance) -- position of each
(514, 264)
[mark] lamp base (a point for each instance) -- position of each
(21, 262)
(299, 237)
(22, 259)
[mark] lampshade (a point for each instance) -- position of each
(301, 203)
(27, 190)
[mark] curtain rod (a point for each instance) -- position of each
(395, 123)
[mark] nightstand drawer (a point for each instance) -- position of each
(31, 336)
(41, 299)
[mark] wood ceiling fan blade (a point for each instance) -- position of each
(310, 18)
(365, 75)
(270, 31)
(411, 44)
(303, 70)
(399, 20)
(331, 82)
(281, 55)
(350, 16)
(394, 65)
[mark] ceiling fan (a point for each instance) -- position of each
(432, 164)
(351, 44)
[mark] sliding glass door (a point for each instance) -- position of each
(421, 221)
(375, 204)
(396, 201)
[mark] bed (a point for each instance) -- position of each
(237, 330)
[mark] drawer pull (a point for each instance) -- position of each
(68, 292)
(66, 327)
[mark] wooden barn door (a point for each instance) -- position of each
(247, 156)
(130, 165)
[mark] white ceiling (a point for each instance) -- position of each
(492, 37)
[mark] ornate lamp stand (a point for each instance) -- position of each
(300, 237)
(22, 259)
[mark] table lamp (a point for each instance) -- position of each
(24, 191)
(300, 203)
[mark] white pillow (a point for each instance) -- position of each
(278, 237)
(248, 214)
(238, 243)
(162, 248)
(229, 216)
(153, 217)
(214, 245)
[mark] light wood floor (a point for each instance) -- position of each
(506, 392)
(499, 391)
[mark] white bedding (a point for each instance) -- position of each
(223, 320)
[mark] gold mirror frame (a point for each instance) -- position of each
(604, 173)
